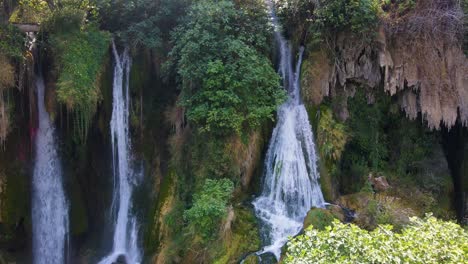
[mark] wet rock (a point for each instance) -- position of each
(122, 259)
(337, 212)
(319, 218)
(379, 184)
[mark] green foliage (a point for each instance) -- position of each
(227, 84)
(11, 41)
(79, 51)
(294, 13)
(234, 94)
(397, 8)
(65, 21)
(411, 143)
(359, 16)
(209, 207)
(79, 59)
(367, 149)
(30, 11)
(331, 135)
(422, 241)
(140, 23)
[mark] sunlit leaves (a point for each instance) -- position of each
(422, 241)
(209, 206)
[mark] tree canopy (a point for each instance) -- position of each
(227, 82)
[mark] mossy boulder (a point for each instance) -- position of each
(320, 218)
(240, 237)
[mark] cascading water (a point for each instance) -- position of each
(125, 246)
(49, 205)
(291, 186)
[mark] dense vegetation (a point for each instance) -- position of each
(209, 206)
(227, 83)
(423, 241)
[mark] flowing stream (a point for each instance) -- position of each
(49, 205)
(290, 187)
(125, 241)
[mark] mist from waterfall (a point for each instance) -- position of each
(50, 223)
(125, 241)
(290, 184)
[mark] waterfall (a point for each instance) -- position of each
(49, 205)
(125, 242)
(291, 186)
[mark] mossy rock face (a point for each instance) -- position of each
(319, 218)
(384, 208)
(242, 238)
(15, 199)
(78, 214)
(252, 259)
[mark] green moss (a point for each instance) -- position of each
(319, 218)
(244, 238)
(326, 182)
(80, 59)
(151, 242)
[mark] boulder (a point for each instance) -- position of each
(379, 184)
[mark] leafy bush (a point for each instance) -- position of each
(226, 82)
(209, 207)
(234, 94)
(359, 16)
(422, 241)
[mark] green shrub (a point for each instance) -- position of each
(234, 94)
(359, 16)
(209, 207)
(331, 135)
(422, 241)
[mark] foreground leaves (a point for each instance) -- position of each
(423, 241)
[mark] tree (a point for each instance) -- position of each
(227, 83)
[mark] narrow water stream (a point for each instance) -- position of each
(125, 241)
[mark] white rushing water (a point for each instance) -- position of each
(49, 205)
(125, 242)
(291, 186)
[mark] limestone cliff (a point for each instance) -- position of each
(419, 60)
